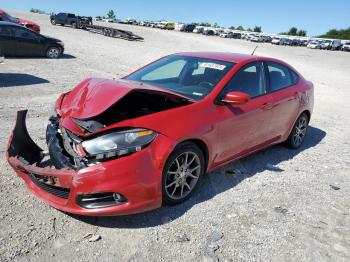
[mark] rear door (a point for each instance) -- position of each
(283, 87)
(7, 41)
(28, 43)
(244, 128)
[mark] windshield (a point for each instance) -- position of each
(6, 17)
(193, 77)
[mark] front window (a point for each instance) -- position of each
(193, 77)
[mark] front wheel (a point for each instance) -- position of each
(297, 136)
(53, 21)
(53, 52)
(182, 172)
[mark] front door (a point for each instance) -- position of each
(243, 128)
(7, 41)
(28, 43)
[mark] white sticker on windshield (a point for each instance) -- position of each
(213, 66)
(197, 94)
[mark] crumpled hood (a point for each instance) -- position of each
(93, 96)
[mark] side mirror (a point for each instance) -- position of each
(236, 98)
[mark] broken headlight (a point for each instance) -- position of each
(119, 143)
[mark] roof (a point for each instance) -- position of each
(228, 57)
(9, 23)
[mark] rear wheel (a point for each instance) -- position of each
(182, 172)
(53, 52)
(74, 25)
(297, 136)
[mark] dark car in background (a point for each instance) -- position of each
(188, 28)
(336, 44)
(70, 19)
(17, 40)
(2, 59)
(5, 17)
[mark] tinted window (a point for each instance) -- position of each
(280, 76)
(249, 80)
(23, 33)
(5, 31)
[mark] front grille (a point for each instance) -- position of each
(57, 191)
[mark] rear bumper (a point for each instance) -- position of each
(137, 177)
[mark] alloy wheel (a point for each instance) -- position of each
(182, 175)
(300, 131)
(53, 52)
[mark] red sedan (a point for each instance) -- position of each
(29, 24)
(127, 146)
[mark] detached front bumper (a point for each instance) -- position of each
(136, 177)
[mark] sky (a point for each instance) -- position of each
(316, 17)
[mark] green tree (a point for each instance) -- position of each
(337, 34)
(111, 14)
(293, 31)
(302, 32)
(250, 30)
(240, 28)
(232, 28)
(216, 25)
(257, 29)
(205, 24)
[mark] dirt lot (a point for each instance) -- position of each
(288, 212)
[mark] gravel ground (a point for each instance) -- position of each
(278, 205)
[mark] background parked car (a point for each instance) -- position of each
(313, 45)
(188, 28)
(295, 42)
(29, 24)
(336, 44)
(198, 30)
(285, 41)
(169, 26)
(276, 41)
(17, 40)
(2, 59)
(346, 46)
(325, 45)
(70, 19)
(208, 32)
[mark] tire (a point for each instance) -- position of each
(178, 182)
(298, 133)
(53, 52)
(53, 21)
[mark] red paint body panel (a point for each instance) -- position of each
(229, 133)
(29, 24)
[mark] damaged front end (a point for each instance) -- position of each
(72, 180)
(98, 162)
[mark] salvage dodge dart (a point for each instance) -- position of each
(127, 146)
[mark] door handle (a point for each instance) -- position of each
(266, 106)
(295, 96)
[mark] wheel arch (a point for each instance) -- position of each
(307, 112)
(202, 146)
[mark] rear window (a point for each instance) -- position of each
(280, 76)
